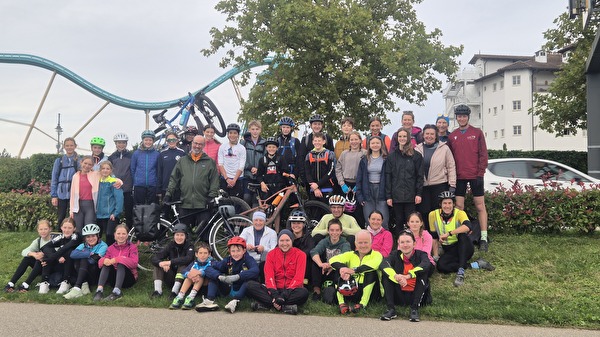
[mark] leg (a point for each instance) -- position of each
(465, 250)
(448, 262)
(110, 231)
(26, 262)
(260, 293)
(128, 209)
(481, 212)
(296, 296)
(63, 206)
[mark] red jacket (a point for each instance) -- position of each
(285, 270)
(470, 153)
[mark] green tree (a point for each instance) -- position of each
(337, 58)
(564, 106)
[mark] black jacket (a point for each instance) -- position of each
(179, 255)
(403, 176)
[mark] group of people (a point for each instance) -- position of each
(353, 256)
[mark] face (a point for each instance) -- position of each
(414, 223)
(347, 128)
(285, 243)
(43, 230)
(402, 138)
(121, 235)
(233, 136)
(447, 206)
(67, 229)
(121, 145)
(318, 142)
(91, 240)
(429, 136)
(271, 149)
(297, 227)
(105, 171)
(316, 126)
(254, 131)
(179, 238)
(375, 145)
(172, 141)
(236, 252)
(209, 133)
(258, 224)
(69, 147)
(286, 129)
(375, 221)
(337, 210)
(202, 254)
(375, 127)
(335, 231)
(442, 126)
(86, 165)
(355, 142)
(463, 120)
(147, 142)
(406, 244)
(198, 145)
(407, 121)
(363, 242)
(97, 149)
(189, 137)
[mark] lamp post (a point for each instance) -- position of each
(59, 131)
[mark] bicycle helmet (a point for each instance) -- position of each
(446, 195)
(90, 229)
(350, 204)
(98, 141)
(192, 129)
(180, 228)
(148, 134)
(337, 200)
(316, 118)
(462, 110)
(121, 137)
(237, 240)
(296, 216)
(271, 141)
(226, 211)
(233, 127)
(287, 121)
(347, 288)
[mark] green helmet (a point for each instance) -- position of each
(98, 141)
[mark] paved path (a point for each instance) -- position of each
(29, 319)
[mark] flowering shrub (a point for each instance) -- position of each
(21, 211)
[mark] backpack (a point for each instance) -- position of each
(145, 221)
(291, 146)
(312, 159)
(61, 167)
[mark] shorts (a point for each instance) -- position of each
(475, 184)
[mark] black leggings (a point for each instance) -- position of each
(457, 255)
(28, 261)
(86, 272)
(395, 295)
(108, 226)
(260, 293)
(63, 207)
(121, 277)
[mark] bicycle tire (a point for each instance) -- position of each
(148, 248)
(209, 111)
(314, 211)
(239, 204)
(219, 234)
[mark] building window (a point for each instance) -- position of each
(516, 105)
(502, 107)
(501, 84)
(516, 130)
(495, 134)
(502, 133)
(566, 132)
(489, 110)
(516, 80)
(484, 88)
(495, 111)
(494, 86)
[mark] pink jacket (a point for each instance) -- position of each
(425, 243)
(94, 179)
(125, 254)
(442, 167)
(212, 149)
(383, 242)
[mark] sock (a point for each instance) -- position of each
(181, 295)
(475, 265)
(117, 291)
(193, 294)
(461, 271)
(158, 286)
(176, 287)
(10, 284)
(484, 235)
(100, 289)
(25, 285)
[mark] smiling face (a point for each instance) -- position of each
(375, 221)
(91, 240)
(198, 145)
(236, 252)
(316, 126)
(318, 143)
(442, 126)
(334, 231)
(347, 128)
(233, 136)
(337, 210)
(67, 228)
(172, 141)
(402, 137)
(121, 235)
(121, 145)
(105, 170)
(258, 224)
(407, 121)
(363, 242)
(375, 127)
(69, 147)
(254, 131)
(97, 149)
(375, 145)
(406, 244)
(463, 120)
(209, 133)
(355, 142)
(179, 238)
(43, 230)
(148, 141)
(297, 227)
(284, 243)
(429, 136)
(286, 129)
(86, 165)
(447, 206)
(414, 223)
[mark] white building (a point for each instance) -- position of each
(500, 89)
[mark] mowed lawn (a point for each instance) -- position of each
(545, 280)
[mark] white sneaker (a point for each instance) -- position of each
(231, 306)
(85, 288)
(74, 293)
(44, 287)
(207, 305)
(63, 288)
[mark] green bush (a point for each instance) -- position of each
(21, 212)
(14, 174)
(41, 166)
(577, 160)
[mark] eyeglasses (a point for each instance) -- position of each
(171, 140)
(230, 152)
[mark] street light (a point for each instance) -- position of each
(59, 131)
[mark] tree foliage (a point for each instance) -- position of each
(564, 107)
(337, 58)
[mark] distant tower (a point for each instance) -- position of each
(59, 131)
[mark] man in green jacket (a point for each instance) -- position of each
(197, 177)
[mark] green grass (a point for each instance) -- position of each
(539, 280)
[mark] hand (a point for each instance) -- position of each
(345, 188)
(222, 278)
(260, 248)
(318, 193)
(231, 279)
(249, 246)
(95, 257)
(61, 260)
(107, 262)
(166, 199)
(417, 200)
(444, 237)
(112, 217)
(253, 170)
(55, 202)
(117, 184)
(345, 273)
(193, 273)
(390, 202)
(292, 176)
(264, 187)
(452, 189)
(196, 279)
(314, 186)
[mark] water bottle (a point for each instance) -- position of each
(184, 116)
(277, 199)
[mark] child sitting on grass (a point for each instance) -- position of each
(85, 258)
(194, 276)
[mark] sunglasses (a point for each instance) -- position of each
(171, 140)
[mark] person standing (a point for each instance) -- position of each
(408, 123)
(471, 156)
(255, 151)
(343, 143)
(232, 160)
(121, 160)
(144, 164)
(442, 123)
(375, 127)
(370, 180)
(63, 170)
(166, 162)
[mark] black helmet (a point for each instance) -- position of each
(462, 110)
(271, 141)
(447, 195)
(233, 127)
(180, 228)
(191, 129)
(316, 118)
(287, 121)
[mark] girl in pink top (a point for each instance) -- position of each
(423, 240)
(212, 145)
(382, 238)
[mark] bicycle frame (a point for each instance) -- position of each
(263, 204)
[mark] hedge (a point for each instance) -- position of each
(21, 212)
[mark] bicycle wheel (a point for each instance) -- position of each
(210, 113)
(314, 211)
(148, 248)
(220, 233)
(239, 204)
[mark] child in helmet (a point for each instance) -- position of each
(97, 145)
(85, 258)
(271, 170)
(121, 160)
(289, 148)
(170, 262)
(230, 276)
(316, 122)
(195, 277)
(57, 256)
(109, 204)
(144, 169)
(232, 160)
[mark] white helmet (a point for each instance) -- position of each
(90, 229)
(120, 136)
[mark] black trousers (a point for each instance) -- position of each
(260, 293)
(457, 255)
(26, 262)
(394, 295)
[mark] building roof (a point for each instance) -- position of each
(513, 58)
(554, 63)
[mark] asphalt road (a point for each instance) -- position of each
(29, 319)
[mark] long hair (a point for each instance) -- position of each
(382, 152)
(418, 215)
(406, 149)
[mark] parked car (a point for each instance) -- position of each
(534, 172)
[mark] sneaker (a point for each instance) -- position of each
(63, 288)
(459, 280)
(414, 315)
(97, 296)
(85, 288)
(344, 309)
(290, 309)
(257, 306)
(388, 315)
(357, 308)
(207, 305)
(177, 303)
(231, 306)
(483, 246)
(316, 297)
(483, 264)
(189, 303)
(73, 293)
(172, 296)
(44, 287)
(9, 289)
(112, 297)
(155, 294)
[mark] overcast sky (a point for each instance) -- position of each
(150, 51)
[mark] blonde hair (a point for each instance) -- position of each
(106, 163)
(255, 123)
(45, 222)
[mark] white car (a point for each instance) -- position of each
(531, 171)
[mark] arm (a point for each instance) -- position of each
(32, 248)
(131, 259)
(483, 155)
(322, 226)
(174, 179)
(387, 244)
(419, 174)
(298, 280)
(54, 180)
(213, 190)
(360, 197)
(371, 264)
(339, 170)
(81, 252)
(450, 167)
(184, 259)
(252, 272)
(118, 194)
(352, 226)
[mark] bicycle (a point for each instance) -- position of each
(223, 211)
